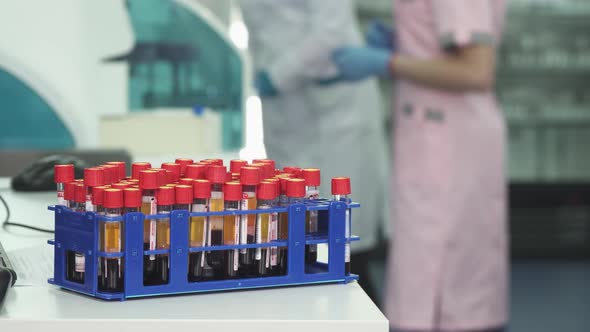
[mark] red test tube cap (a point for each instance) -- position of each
(196, 171)
(184, 194)
(277, 184)
(236, 164)
(341, 186)
(113, 198)
(183, 162)
(232, 191)
(216, 174)
(266, 190)
(132, 197)
(283, 184)
(296, 188)
(165, 195)
(98, 195)
(80, 193)
(312, 176)
(215, 161)
(138, 167)
(175, 169)
(113, 173)
(121, 168)
(295, 171)
(148, 180)
(94, 176)
(202, 189)
(70, 191)
(186, 181)
(63, 173)
(250, 176)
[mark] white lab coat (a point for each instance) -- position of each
(338, 128)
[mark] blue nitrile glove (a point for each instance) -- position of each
(380, 35)
(358, 63)
(264, 85)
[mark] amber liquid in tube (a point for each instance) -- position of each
(112, 268)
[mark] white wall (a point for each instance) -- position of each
(57, 46)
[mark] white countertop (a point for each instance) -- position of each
(324, 307)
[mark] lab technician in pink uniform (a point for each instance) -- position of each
(448, 266)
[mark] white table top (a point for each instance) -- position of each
(323, 307)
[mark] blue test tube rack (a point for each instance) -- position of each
(79, 232)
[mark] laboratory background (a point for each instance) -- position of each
(154, 80)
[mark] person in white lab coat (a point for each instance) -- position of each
(339, 127)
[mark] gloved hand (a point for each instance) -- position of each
(358, 63)
(264, 85)
(381, 35)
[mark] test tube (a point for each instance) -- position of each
(76, 261)
(232, 193)
(184, 197)
(340, 191)
(237, 164)
(93, 177)
(112, 271)
(138, 167)
(216, 175)
(198, 232)
(250, 178)
(148, 183)
(121, 169)
(165, 199)
(274, 228)
(62, 174)
(265, 195)
(183, 162)
(312, 192)
(175, 169)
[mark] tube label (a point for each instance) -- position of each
(244, 222)
(258, 236)
(89, 205)
(273, 236)
(60, 198)
(79, 262)
(236, 240)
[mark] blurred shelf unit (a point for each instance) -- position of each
(543, 83)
